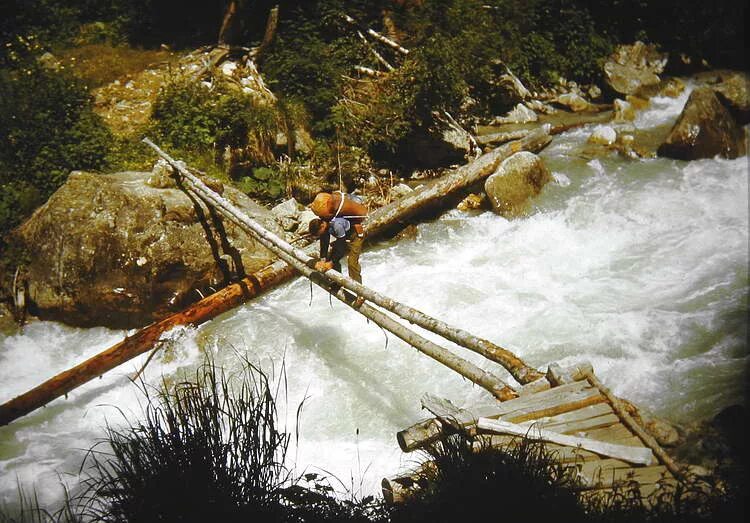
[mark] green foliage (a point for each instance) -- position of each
(47, 129)
(191, 116)
(264, 183)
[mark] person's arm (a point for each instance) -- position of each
(325, 240)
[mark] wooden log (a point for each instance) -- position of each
(367, 71)
(269, 34)
(304, 265)
(142, 341)
(419, 434)
(374, 52)
(628, 420)
(514, 365)
(641, 455)
(456, 183)
(222, 301)
(377, 36)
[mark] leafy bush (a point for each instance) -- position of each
(191, 116)
(47, 129)
(264, 183)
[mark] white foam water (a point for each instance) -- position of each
(638, 266)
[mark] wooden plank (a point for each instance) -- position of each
(573, 427)
(445, 410)
(628, 420)
(631, 454)
(536, 403)
(556, 405)
(592, 411)
(610, 434)
(546, 397)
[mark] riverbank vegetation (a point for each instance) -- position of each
(48, 125)
(211, 448)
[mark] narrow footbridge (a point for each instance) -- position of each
(568, 409)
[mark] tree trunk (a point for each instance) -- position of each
(453, 184)
(144, 340)
(230, 24)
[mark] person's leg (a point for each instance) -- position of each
(338, 251)
(355, 249)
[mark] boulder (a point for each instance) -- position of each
(305, 217)
(399, 191)
(574, 102)
(519, 114)
(624, 111)
(517, 179)
(115, 250)
(734, 93)
(704, 129)
(472, 202)
(632, 67)
(603, 135)
(287, 214)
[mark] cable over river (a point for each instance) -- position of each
(638, 266)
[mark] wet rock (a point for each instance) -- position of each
(518, 178)
(704, 129)
(540, 107)
(624, 112)
(519, 114)
(632, 67)
(287, 214)
(472, 202)
(112, 250)
(305, 217)
(734, 93)
(718, 443)
(604, 135)
(574, 102)
(399, 191)
(49, 61)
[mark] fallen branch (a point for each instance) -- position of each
(374, 51)
(368, 71)
(379, 37)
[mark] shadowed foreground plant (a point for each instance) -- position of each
(208, 450)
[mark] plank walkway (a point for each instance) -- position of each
(580, 424)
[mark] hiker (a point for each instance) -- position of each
(341, 216)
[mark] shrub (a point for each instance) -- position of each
(47, 129)
(207, 451)
(191, 116)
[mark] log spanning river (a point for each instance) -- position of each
(638, 266)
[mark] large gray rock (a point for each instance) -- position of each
(704, 129)
(125, 249)
(632, 67)
(734, 93)
(518, 178)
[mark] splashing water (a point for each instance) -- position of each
(640, 267)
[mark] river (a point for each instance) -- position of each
(637, 266)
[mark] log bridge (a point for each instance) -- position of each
(569, 410)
